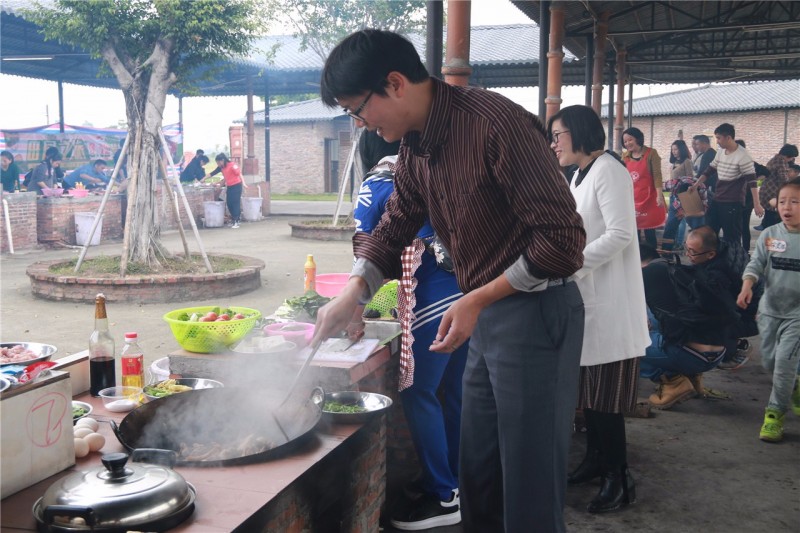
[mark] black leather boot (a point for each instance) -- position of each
(618, 491)
(589, 469)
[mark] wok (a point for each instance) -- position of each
(227, 417)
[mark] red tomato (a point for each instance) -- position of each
(205, 319)
(212, 316)
(238, 316)
(220, 319)
(224, 316)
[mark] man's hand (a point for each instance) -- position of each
(335, 316)
(759, 211)
(457, 324)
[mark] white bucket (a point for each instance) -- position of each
(83, 225)
(215, 214)
(159, 370)
(252, 209)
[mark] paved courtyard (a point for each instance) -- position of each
(698, 467)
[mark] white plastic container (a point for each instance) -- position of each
(159, 370)
(83, 225)
(214, 214)
(252, 209)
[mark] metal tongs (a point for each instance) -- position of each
(314, 350)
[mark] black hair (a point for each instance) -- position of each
(647, 253)
(794, 182)
(788, 150)
(795, 167)
(683, 152)
(7, 154)
(222, 157)
(100, 162)
(637, 134)
(741, 143)
(51, 152)
(373, 148)
(199, 152)
(56, 157)
(585, 128)
(725, 129)
(203, 159)
(361, 62)
(707, 236)
(702, 138)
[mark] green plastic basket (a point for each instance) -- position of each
(210, 337)
(385, 299)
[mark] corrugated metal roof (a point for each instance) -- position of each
(307, 111)
(719, 98)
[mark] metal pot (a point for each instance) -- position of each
(118, 497)
(237, 423)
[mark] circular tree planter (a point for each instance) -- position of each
(146, 289)
(322, 230)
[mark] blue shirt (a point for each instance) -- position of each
(74, 177)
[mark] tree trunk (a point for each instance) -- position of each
(145, 98)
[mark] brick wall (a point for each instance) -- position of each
(22, 214)
(764, 131)
(56, 216)
(298, 154)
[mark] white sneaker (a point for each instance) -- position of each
(235, 225)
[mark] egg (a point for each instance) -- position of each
(95, 441)
(81, 432)
(88, 422)
(81, 448)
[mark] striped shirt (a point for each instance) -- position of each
(484, 174)
(735, 171)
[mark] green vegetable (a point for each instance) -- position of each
(337, 407)
(309, 303)
(183, 316)
(78, 411)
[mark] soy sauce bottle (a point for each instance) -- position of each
(102, 371)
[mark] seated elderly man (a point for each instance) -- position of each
(91, 175)
(687, 338)
(725, 263)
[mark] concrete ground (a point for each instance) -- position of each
(698, 467)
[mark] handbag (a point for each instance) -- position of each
(691, 203)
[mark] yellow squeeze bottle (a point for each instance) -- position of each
(310, 274)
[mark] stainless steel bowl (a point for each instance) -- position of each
(372, 402)
(44, 351)
(194, 383)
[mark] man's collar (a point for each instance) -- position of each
(436, 130)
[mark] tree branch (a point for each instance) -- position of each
(124, 77)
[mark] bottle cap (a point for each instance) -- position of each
(131, 335)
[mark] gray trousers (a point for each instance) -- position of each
(520, 392)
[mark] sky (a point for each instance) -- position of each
(206, 119)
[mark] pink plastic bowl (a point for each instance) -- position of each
(330, 285)
(79, 193)
(54, 192)
(299, 333)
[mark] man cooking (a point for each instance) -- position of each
(90, 175)
(479, 166)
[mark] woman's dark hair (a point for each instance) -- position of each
(50, 152)
(637, 135)
(373, 148)
(683, 152)
(584, 126)
(788, 150)
(222, 157)
(361, 62)
(8, 155)
(56, 157)
(199, 152)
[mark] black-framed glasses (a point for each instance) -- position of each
(355, 113)
(556, 134)
(692, 253)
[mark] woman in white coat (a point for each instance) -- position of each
(615, 333)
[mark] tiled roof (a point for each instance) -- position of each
(729, 97)
(489, 45)
(307, 111)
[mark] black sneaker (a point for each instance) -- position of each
(427, 512)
